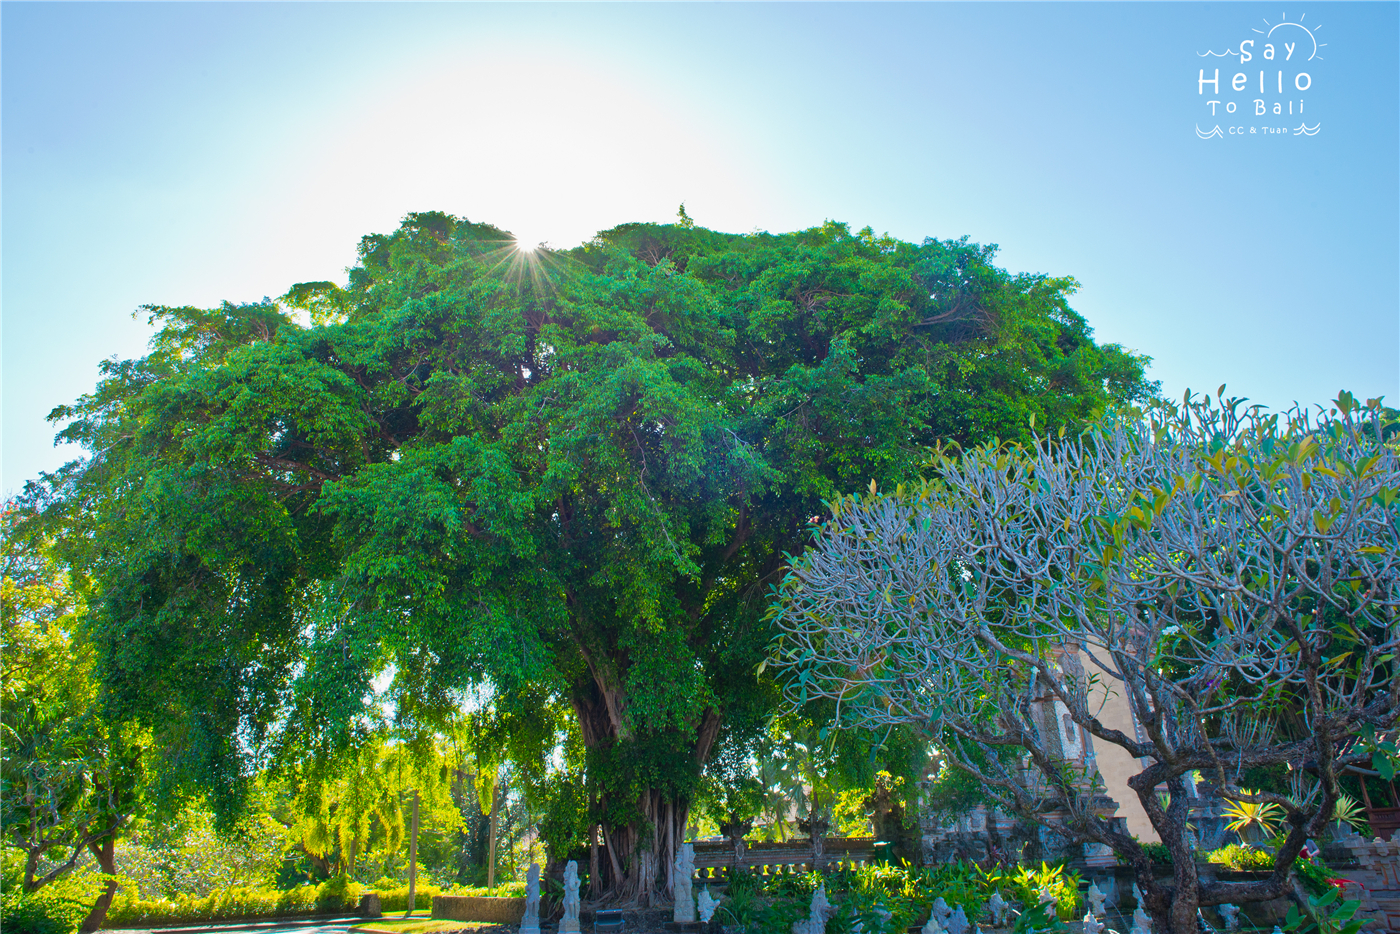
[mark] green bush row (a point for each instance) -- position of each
(335, 896)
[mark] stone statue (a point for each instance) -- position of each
(706, 903)
(1142, 924)
(957, 924)
(1096, 900)
(684, 912)
(1137, 894)
(820, 914)
(941, 911)
(1092, 925)
(569, 923)
(1230, 914)
(530, 924)
(932, 926)
(999, 910)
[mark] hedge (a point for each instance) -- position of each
(334, 897)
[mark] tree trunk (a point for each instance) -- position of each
(642, 852)
(413, 856)
(105, 852)
(1173, 907)
(491, 840)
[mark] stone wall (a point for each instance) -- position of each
(1373, 868)
(479, 908)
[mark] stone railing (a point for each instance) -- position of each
(715, 859)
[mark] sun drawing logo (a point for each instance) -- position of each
(1246, 49)
(1286, 42)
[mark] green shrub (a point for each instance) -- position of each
(1241, 857)
(1026, 885)
(331, 897)
(42, 912)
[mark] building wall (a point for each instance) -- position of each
(1110, 705)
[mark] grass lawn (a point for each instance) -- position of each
(419, 923)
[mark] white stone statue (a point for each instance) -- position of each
(941, 910)
(569, 923)
(684, 912)
(1142, 924)
(999, 910)
(931, 926)
(1092, 925)
(1096, 900)
(1230, 914)
(815, 922)
(706, 904)
(957, 924)
(1137, 894)
(530, 924)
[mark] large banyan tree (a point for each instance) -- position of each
(567, 474)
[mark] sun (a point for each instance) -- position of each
(1287, 26)
(528, 241)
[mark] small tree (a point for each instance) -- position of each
(69, 777)
(1232, 573)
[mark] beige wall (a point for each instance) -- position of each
(1115, 764)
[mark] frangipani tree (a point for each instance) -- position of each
(1234, 574)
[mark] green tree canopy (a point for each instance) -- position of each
(576, 473)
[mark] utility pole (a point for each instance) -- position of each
(413, 856)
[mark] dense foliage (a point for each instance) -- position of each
(567, 478)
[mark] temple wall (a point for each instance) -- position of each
(1115, 764)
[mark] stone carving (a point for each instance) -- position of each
(530, 924)
(931, 926)
(1137, 894)
(1141, 923)
(957, 924)
(1230, 914)
(999, 910)
(706, 904)
(1096, 900)
(569, 923)
(684, 912)
(941, 911)
(1092, 925)
(815, 922)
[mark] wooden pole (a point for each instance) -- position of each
(413, 857)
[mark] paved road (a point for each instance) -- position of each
(290, 926)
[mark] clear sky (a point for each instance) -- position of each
(190, 153)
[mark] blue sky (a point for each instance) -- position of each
(191, 153)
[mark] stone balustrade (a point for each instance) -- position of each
(715, 859)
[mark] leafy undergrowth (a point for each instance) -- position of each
(885, 899)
